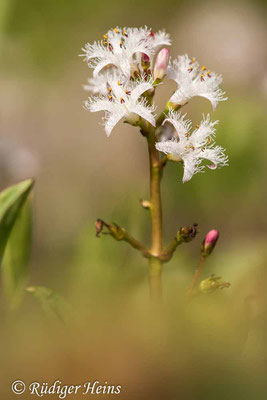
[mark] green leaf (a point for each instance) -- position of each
(15, 266)
(53, 305)
(12, 200)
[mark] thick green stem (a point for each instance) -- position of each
(156, 217)
(155, 280)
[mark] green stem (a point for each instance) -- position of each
(168, 252)
(169, 106)
(121, 234)
(155, 280)
(156, 217)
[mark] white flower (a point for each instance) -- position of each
(99, 84)
(121, 48)
(193, 148)
(194, 81)
(122, 100)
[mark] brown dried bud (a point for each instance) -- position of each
(99, 226)
(188, 233)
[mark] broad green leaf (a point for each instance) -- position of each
(53, 305)
(12, 200)
(17, 255)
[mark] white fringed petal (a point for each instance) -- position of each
(193, 148)
(193, 81)
(121, 101)
(121, 48)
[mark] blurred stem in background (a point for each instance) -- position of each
(196, 275)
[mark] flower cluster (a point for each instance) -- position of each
(127, 66)
(124, 49)
(192, 148)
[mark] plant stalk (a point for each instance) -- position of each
(156, 219)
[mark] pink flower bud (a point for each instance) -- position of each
(212, 237)
(161, 64)
(209, 242)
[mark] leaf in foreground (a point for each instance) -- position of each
(12, 200)
(16, 258)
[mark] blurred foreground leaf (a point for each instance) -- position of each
(53, 305)
(12, 200)
(17, 255)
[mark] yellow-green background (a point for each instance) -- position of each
(213, 347)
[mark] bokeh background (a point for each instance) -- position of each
(211, 347)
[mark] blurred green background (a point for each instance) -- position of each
(212, 347)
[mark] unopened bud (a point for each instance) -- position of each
(161, 64)
(188, 233)
(99, 226)
(212, 283)
(209, 242)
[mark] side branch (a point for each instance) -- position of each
(163, 161)
(162, 116)
(121, 234)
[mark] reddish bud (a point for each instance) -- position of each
(161, 64)
(209, 242)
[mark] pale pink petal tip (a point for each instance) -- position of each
(211, 237)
